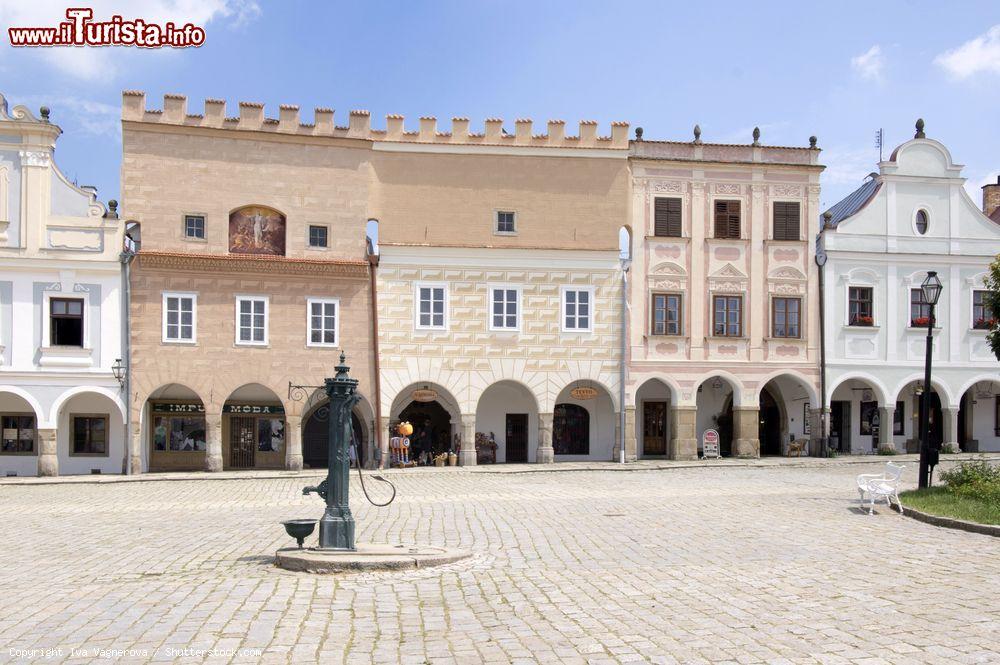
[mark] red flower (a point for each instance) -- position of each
(920, 322)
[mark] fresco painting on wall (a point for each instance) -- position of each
(256, 230)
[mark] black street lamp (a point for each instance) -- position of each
(931, 289)
(119, 370)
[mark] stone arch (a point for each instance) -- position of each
(730, 378)
(224, 394)
(992, 377)
(72, 392)
(584, 370)
(602, 421)
(362, 412)
(445, 397)
(801, 378)
(669, 382)
(40, 414)
(505, 370)
(421, 370)
(495, 407)
(939, 387)
(881, 393)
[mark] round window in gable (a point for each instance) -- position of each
(922, 222)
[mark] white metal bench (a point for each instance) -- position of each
(883, 485)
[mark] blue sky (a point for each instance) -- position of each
(839, 70)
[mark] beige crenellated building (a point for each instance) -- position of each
(724, 329)
(251, 277)
(499, 287)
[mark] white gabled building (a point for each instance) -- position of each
(911, 217)
(61, 408)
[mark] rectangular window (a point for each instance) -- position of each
(323, 322)
(66, 320)
(270, 435)
(506, 222)
(982, 315)
(859, 308)
(868, 411)
(667, 217)
(90, 435)
(17, 433)
(920, 311)
(431, 306)
(577, 310)
(179, 317)
(785, 317)
(786, 220)
(194, 227)
(504, 315)
(727, 219)
(666, 314)
(179, 433)
(318, 236)
(728, 317)
(251, 320)
(897, 418)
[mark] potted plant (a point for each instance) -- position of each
(920, 322)
(984, 324)
(865, 321)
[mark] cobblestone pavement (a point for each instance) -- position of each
(738, 565)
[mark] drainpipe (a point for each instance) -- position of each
(821, 259)
(626, 263)
(126, 257)
(377, 399)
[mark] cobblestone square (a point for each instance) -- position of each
(687, 565)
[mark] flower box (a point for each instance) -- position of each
(863, 321)
(920, 322)
(984, 324)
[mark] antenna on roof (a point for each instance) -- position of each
(878, 143)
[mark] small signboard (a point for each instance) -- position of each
(424, 395)
(710, 444)
(583, 392)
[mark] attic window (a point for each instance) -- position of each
(921, 222)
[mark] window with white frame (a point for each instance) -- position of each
(577, 306)
(194, 227)
(179, 314)
(251, 320)
(506, 221)
(66, 322)
(323, 315)
(505, 305)
(432, 311)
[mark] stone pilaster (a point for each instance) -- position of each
(683, 433)
(213, 442)
(746, 431)
(818, 428)
(383, 442)
(467, 456)
(546, 453)
(950, 416)
(886, 415)
(135, 447)
(48, 456)
(293, 443)
(631, 445)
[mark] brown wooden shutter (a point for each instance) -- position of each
(786, 220)
(667, 217)
(727, 219)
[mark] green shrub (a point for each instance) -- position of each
(885, 450)
(977, 479)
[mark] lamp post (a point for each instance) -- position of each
(336, 528)
(626, 264)
(931, 289)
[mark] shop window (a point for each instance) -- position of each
(90, 435)
(270, 435)
(179, 433)
(897, 418)
(728, 316)
(179, 317)
(785, 317)
(17, 433)
(868, 411)
(66, 321)
(859, 307)
(251, 320)
(577, 310)
(571, 430)
(666, 314)
(323, 322)
(431, 306)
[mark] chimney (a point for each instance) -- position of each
(991, 198)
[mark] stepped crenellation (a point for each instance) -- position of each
(252, 118)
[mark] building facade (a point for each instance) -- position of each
(724, 326)
(250, 278)
(61, 407)
(499, 288)
(913, 216)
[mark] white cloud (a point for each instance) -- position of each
(74, 114)
(869, 65)
(92, 63)
(975, 186)
(981, 54)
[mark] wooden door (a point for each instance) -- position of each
(654, 428)
(517, 437)
(242, 442)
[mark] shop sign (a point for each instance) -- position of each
(710, 444)
(424, 395)
(584, 392)
(252, 409)
(173, 407)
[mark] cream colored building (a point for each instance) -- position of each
(724, 326)
(499, 287)
(251, 277)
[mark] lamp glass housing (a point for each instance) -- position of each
(931, 288)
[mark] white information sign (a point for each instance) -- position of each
(710, 444)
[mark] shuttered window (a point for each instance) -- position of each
(786, 220)
(667, 218)
(727, 219)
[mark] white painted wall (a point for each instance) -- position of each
(89, 404)
(491, 415)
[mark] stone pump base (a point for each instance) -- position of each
(367, 557)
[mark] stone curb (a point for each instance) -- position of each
(368, 557)
(952, 523)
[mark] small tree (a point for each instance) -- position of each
(993, 301)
